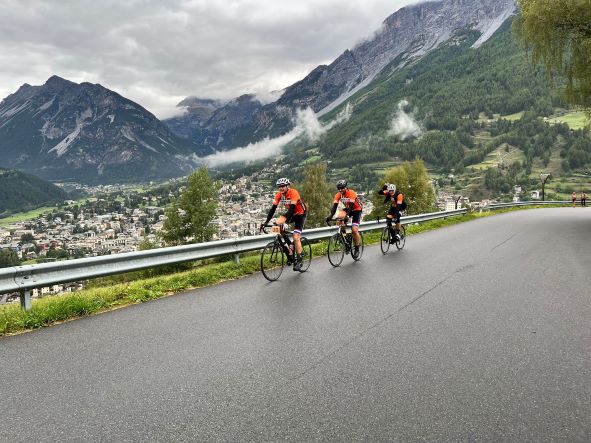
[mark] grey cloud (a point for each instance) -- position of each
(158, 52)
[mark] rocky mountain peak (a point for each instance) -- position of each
(85, 131)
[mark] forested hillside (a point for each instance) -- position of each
(20, 192)
(469, 104)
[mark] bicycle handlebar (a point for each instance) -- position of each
(283, 228)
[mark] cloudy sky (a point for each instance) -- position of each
(157, 52)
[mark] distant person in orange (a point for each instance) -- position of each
(574, 198)
(583, 199)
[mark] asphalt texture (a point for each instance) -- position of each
(480, 331)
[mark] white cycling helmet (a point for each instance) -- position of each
(391, 187)
(283, 181)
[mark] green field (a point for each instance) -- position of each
(513, 117)
(574, 119)
(24, 216)
(499, 155)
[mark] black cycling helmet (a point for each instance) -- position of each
(341, 184)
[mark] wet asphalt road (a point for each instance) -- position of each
(476, 332)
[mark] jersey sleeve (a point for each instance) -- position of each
(399, 199)
(337, 197)
(277, 198)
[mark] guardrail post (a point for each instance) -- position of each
(236, 258)
(26, 299)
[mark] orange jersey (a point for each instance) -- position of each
(396, 199)
(348, 198)
(291, 197)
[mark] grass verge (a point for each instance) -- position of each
(50, 310)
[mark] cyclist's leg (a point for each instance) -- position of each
(355, 219)
(298, 221)
(397, 225)
(391, 216)
(398, 211)
(281, 220)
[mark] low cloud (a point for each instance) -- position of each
(306, 125)
(404, 125)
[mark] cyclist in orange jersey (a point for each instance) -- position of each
(397, 204)
(296, 214)
(353, 209)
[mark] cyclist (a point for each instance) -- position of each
(397, 204)
(353, 208)
(296, 213)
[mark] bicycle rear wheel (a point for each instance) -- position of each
(385, 240)
(272, 261)
(400, 243)
(336, 250)
(306, 254)
(361, 243)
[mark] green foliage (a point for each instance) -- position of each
(558, 33)
(20, 192)
(316, 194)
(189, 217)
(59, 254)
(27, 238)
(412, 179)
(8, 257)
(447, 87)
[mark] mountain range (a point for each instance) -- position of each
(63, 130)
(405, 36)
(68, 131)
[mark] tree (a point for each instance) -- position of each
(189, 217)
(558, 33)
(316, 194)
(27, 238)
(8, 258)
(412, 179)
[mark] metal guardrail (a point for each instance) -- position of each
(24, 279)
(527, 203)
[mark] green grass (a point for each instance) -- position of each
(50, 310)
(499, 154)
(24, 216)
(513, 117)
(574, 119)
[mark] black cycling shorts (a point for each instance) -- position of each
(355, 217)
(297, 220)
(395, 213)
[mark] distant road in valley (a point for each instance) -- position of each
(478, 331)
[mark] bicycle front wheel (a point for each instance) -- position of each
(385, 240)
(272, 261)
(361, 243)
(306, 254)
(400, 243)
(336, 250)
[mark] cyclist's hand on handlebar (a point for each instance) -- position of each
(328, 220)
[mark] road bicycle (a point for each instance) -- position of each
(386, 240)
(341, 243)
(278, 253)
